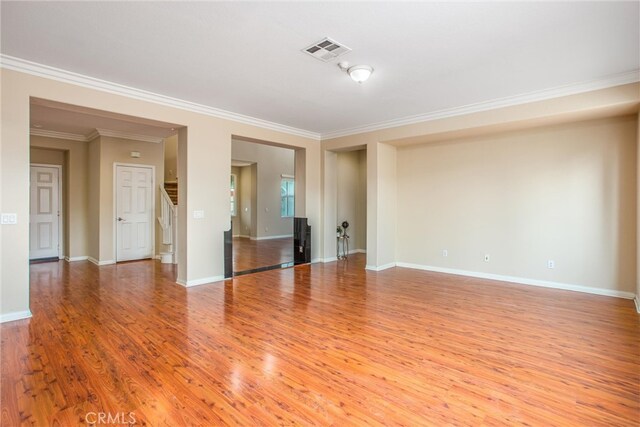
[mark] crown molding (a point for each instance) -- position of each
(557, 92)
(57, 135)
(94, 134)
(41, 70)
(126, 135)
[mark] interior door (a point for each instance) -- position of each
(134, 212)
(44, 215)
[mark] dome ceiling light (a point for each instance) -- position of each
(359, 73)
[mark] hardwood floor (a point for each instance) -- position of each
(328, 344)
(251, 254)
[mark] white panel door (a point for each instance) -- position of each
(44, 224)
(134, 212)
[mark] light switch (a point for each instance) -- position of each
(9, 218)
(198, 214)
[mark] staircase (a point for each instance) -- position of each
(168, 220)
(172, 190)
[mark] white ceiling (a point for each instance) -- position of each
(246, 58)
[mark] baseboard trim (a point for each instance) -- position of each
(76, 258)
(198, 282)
(100, 263)
(357, 251)
(637, 301)
(381, 267)
(16, 315)
(521, 280)
(284, 236)
(330, 259)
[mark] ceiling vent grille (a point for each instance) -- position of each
(326, 49)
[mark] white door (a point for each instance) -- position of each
(134, 212)
(44, 215)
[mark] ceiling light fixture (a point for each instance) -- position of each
(359, 73)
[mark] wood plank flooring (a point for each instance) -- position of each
(328, 344)
(251, 254)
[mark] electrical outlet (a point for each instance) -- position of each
(9, 218)
(266, 229)
(551, 264)
(487, 257)
(445, 253)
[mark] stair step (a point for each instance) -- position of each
(172, 190)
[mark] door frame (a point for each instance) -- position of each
(60, 206)
(152, 220)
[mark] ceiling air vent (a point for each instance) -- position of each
(326, 49)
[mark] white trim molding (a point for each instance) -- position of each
(58, 135)
(76, 258)
(24, 66)
(541, 95)
(94, 134)
(521, 280)
(16, 315)
(637, 301)
(100, 263)
(203, 281)
(381, 267)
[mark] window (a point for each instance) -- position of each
(287, 206)
(234, 202)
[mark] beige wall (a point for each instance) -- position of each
(564, 193)
(117, 150)
(203, 169)
(638, 216)
(352, 196)
(171, 158)
(271, 162)
(247, 221)
(75, 188)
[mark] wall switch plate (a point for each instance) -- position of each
(9, 218)
(445, 252)
(198, 214)
(487, 257)
(551, 264)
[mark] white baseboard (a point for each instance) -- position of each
(357, 251)
(241, 236)
(330, 259)
(198, 282)
(16, 315)
(76, 258)
(96, 262)
(637, 301)
(284, 236)
(521, 280)
(381, 267)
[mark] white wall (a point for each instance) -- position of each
(270, 162)
(564, 193)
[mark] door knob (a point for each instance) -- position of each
(120, 219)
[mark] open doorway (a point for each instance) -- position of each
(262, 197)
(109, 167)
(351, 202)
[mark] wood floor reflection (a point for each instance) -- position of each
(328, 344)
(251, 254)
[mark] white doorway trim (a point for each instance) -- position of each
(60, 206)
(152, 220)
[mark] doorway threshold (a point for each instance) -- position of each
(261, 269)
